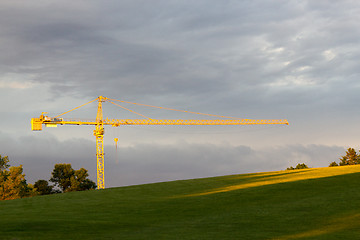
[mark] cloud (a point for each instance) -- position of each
(146, 163)
(15, 85)
(168, 52)
(235, 52)
(152, 162)
(16, 81)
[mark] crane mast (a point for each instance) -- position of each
(99, 134)
(99, 122)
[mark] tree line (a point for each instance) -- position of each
(351, 158)
(64, 178)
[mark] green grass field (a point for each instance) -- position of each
(321, 203)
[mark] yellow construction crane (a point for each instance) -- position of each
(36, 125)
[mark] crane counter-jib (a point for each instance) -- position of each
(36, 123)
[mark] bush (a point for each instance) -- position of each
(299, 166)
(333, 164)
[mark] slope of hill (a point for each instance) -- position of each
(322, 203)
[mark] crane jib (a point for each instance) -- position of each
(37, 123)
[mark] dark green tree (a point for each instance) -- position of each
(333, 164)
(43, 187)
(299, 166)
(83, 182)
(68, 179)
(351, 158)
(61, 176)
(87, 184)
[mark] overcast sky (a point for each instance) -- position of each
(294, 60)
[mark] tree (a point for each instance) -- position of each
(12, 181)
(4, 163)
(333, 164)
(87, 184)
(299, 166)
(13, 184)
(31, 191)
(351, 158)
(61, 176)
(68, 179)
(82, 182)
(43, 187)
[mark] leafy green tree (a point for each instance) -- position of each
(87, 184)
(299, 166)
(68, 179)
(31, 191)
(81, 182)
(61, 176)
(43, 187)
(333, 164)
(351, 158)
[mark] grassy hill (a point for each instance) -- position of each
(321, 203)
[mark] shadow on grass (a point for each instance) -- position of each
(263, 179)
(333, 225)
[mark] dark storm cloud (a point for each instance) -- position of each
(235, 50)
(183, 44)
